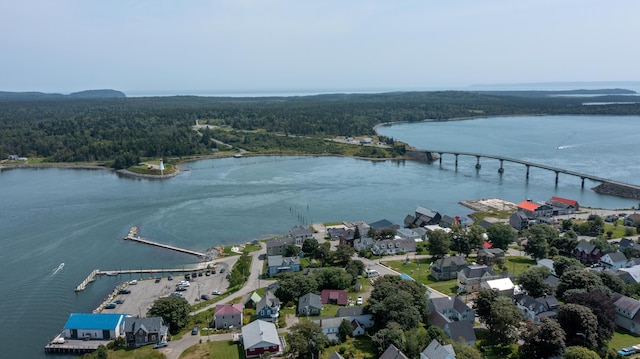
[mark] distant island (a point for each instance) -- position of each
(36, 96)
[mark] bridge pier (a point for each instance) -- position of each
(582, 184)
(556, 177)
(455, 154)
(527, 171)
(501, 169)
(440, 153)
(478, 166)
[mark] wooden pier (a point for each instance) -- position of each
(89, 279)
(133, 236)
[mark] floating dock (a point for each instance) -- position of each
(133, 236)
(89, 279)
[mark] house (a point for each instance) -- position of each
(228, 316)
(454, 317)
(519, 220)
(453, 308)
(435, 350)
(456, 330)
(432, 228)
(277, 247)
(535, 210)
(334, 296)
(614, 261)
(546, 262)
(393, 246)
(407, 233)
(344, 236)
(359, 313)
(253, 299)
(632, 220)
(143, 331)
(383, 224)
(630, 275)
(363, 243)
(627, 315)
(13, 157)
(563, 206)
(331, 327)
(309, 304)
(625, 243)
(535, 309)
(268, 308)
(488, 256)
(260, 337)
(94, 326)
(471, 278)
(278, 264)
(447, 221)
(300, 233)
(448, 267)
(393, 353)
(425, 216)
(586, 252)
(504, 286)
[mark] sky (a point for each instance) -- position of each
(139, 46)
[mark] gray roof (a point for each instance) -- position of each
(280, 242)
(616, 257)
(550, 302)
(393, 353)
(300, 231)
(273, 261)
(310, 299)
(462, 329)
(381, 224)
(268, 299)
(352, 311)
(259, 331)
(421, 211)
(584, 246)
(627, 304)
(448, 219)
(478, 271)
(450, 261)
(327, 323)
(149, 325)
(435, 350)
(444, 303)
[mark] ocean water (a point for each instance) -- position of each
(78, 217)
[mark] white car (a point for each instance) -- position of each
(183, 283)
(133, 282)
(216, 292)
(359, 301)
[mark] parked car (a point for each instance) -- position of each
(124, 291)
(119, 301)
(205, 297)
(216, 292)
(627, 351)
(176, 294)
(221, 270)
(110, 305)
(161, 344)
(157, 280)
(133, 282)
(359, 301)
(170, 277)
(194, 331)
(181, 288)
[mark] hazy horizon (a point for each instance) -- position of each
(245, 45)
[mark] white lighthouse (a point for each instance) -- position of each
(161, 167)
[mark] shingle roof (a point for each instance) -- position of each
(149, 325)
(477, 271)
(435, 350)
(352, 311)
(393, 353)
(627, 304)
(564, 200)
(462, 329)
(617, 257)
(451, 261)
(268, 299)
(421, 211)
(259, 331)
(228, 309)
(383, 223)
(311, 300)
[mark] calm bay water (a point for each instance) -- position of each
(51, 216)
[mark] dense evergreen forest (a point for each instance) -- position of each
(118, 131)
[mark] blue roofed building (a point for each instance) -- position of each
(94, 326)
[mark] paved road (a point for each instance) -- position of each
(254, 282)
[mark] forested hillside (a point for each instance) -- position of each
(74, 130)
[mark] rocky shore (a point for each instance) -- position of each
(617, 190)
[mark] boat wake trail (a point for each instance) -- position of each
(55, 271)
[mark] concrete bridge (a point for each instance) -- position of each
(527, 164)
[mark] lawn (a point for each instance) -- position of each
(216, 349)
(622, 338)
(619, 230)
(359, 348)
(146, 352)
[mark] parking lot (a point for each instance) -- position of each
(148, 289)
